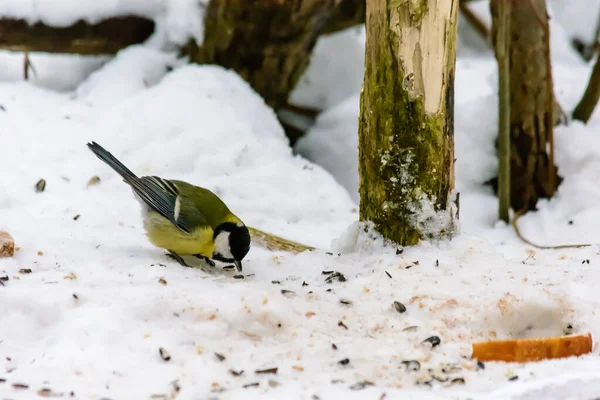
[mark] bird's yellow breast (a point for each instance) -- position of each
(162, 233)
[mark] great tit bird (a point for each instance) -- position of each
(184, 219)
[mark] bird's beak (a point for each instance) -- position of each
(238, 265)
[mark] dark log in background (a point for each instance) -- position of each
(106, 37)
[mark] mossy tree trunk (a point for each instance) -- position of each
(268, 43)
(532, 105)
(406, 131)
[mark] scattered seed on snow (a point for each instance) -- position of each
(388, 274)
(304, 283)
(163, 281)
(327, 272)
(164, 354)
(345, 302)
(220, 357)
(276, 282)
(25, 270)
(361, 385)
(340, 323)
(266, 371)
(399, 307)
(411, 328)
(238, 276)
(513, 378)
(437, 263)
(75, 296)
(251, 385)
(333, 346)
(433, 340)
(273, 383)
(94, 180)
(288, 293)
(337, 276)
(76, 217)
(40, 186)
(20, 386)
(457, 381)
(412, 365)
(329, 253)
(399, 251)
(480, 365)
(336, 381)
(345, 361)
(236, 373)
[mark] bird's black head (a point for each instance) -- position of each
(232, 243)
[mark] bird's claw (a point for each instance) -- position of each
(178, 258)
(206, 259)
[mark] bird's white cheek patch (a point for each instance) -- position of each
(222, 245)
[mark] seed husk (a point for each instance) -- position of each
(335, 276)
(276, 282)
(266, 371)
(220, 357)
(164, 354)
(340, 323)
(345, 361)
(40, 186)
(457, 381)
(333, 346)
(25, 270)
(361, 385)
(513, 378)
(345, 302)
(251, 385)
(388, 274)
(236, 373)
(288, 293)
(399, 307)
(480, 365)
(94, 180)
(433, 340)
(412, 365)
(76, 217)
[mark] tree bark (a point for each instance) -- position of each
(106, 37)
(268, 43)
(532, 172)
(406, 130)
(502, 38)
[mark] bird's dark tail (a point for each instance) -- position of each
(112, 162)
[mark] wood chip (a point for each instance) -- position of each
(526, 350)
(7, 245)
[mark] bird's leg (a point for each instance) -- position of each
(206, 259)
(177, 257)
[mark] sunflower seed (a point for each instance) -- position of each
(399, 307)
(164, 354)
(345, 361)
(220, 357)
(40, 186)
(236, 373)
(266, 371)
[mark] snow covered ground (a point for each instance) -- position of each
(100, 301)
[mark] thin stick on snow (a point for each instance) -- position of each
(520, 236)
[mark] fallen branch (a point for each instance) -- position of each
(106, 37)
(276, 243)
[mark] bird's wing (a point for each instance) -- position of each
(162, 196)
